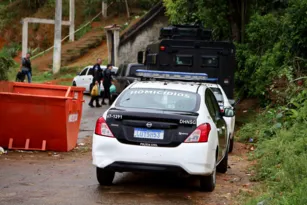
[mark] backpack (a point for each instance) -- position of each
(20, 77)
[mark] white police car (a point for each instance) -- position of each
(163, 125)
(224, 102)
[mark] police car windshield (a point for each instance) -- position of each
(161, 99)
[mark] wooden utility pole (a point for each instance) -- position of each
(104, 8)
(57, 37)
(24, 37)
(72, 20)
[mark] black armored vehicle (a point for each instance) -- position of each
(185, 48)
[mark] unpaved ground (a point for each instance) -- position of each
(47, 178)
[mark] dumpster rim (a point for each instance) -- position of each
(46, 86)
(40, 96)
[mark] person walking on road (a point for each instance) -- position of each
(97, 77)
(107, 82)
(26, 68)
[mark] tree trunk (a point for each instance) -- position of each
(234, 19)
(127, 8)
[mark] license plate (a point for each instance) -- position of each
(148, 134)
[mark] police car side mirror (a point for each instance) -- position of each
(141, 57)
(232, 102)
(229, 112)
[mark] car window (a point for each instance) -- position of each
(209, 104)
(133, 69)
(218, 94)
(91, 71)
(123, 71)
(161, 99)
(84, 72)
(214, 103)
(121, 67)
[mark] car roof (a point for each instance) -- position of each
(102, 66)
(170, 85)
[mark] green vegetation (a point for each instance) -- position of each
(6, 63)
(280, 136)
(272, 65)
(66, 73)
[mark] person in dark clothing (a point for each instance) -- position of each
(97, 77)
(107, 82)
(26, 68)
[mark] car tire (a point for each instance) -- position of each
(104, 177)
(74, 83)
(223, 165)
(231, 144)
(207, 183)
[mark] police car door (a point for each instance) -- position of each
(215, 113)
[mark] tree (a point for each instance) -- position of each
(127, 8)
(226, 18)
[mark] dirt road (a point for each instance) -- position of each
(69, 178)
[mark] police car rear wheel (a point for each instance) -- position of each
(223, 165)
(231, 144)
(207, 183)
(104, 177)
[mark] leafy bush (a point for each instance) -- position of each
(5, 64)
(275, 47)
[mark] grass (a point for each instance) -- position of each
(65, 73)
(280, 138)
(64, 77)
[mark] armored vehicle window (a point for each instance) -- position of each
(209, 61)
(184, 60)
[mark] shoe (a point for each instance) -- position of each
(98, 105)
(91, 105)
(103, 103)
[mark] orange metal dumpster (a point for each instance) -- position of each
(39, 116)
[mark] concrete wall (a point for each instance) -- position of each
(127, 52)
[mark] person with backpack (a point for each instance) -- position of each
(97, 77)
(26, 68)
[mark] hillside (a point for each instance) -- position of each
(90, 41)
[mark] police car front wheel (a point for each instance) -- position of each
(104, 177)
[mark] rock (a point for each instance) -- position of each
(235, 180)
(2, 151)
(261, 203)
